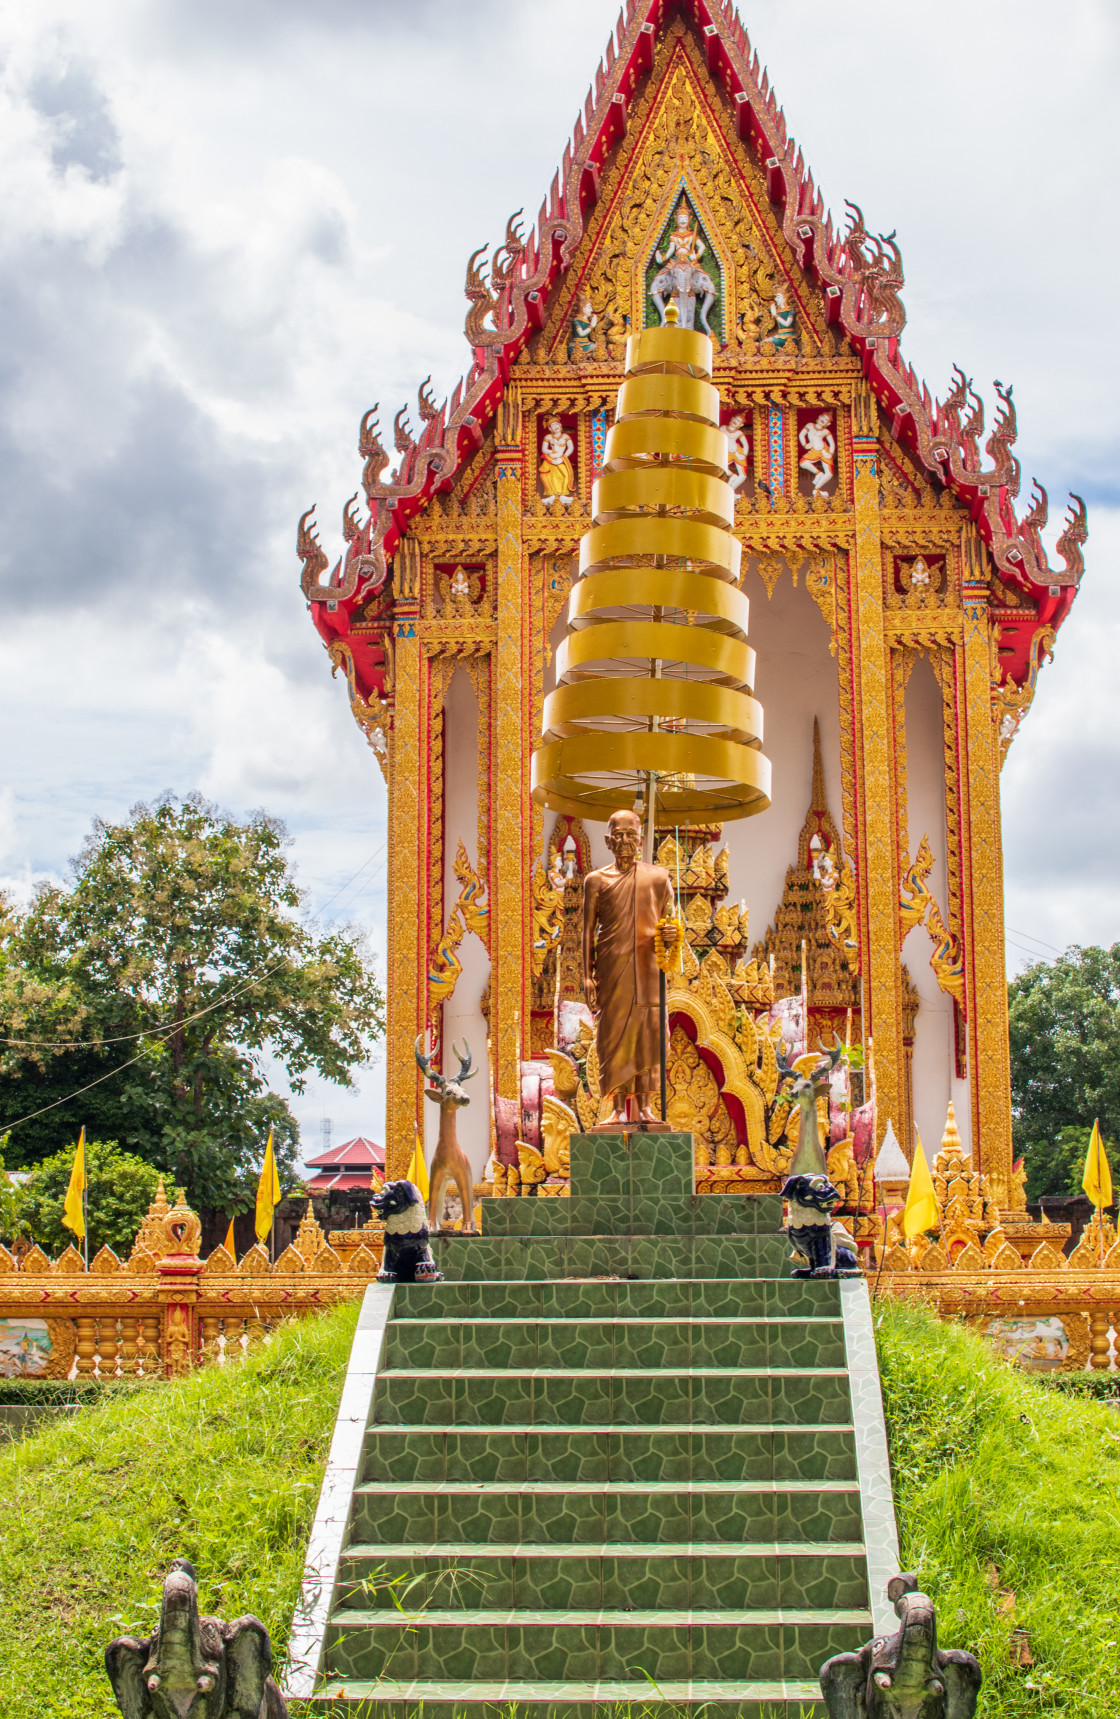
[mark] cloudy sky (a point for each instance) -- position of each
(230, 225)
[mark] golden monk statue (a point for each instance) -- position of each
(624, 904)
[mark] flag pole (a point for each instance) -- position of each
(85, 1207)
(1100, 1185)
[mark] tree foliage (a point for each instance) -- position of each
(177, 961)
(119, 1189)
(1065, 1063)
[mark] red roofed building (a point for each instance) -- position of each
(346, 1166)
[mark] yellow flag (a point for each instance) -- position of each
(230, 1245)
(418, 1170)
(73, 1212)
(1097, 1180)
(920, 1211)
(268, 1191)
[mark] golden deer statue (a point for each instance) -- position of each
(450, 1166)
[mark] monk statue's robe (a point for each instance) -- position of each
(625, 907)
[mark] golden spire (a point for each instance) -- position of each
(819, 801)
(951, 1140)
(653, 682)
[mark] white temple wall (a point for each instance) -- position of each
(596, 832)
(462, 1016)
(796, 679)
(934, 1056)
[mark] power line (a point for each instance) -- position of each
(1031, 938)
(174, 1026)
(6, 1128)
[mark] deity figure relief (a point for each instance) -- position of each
(785, 321)
(623, 906)
(459, 590)
(920, 582)
(558, 481)
(738, 451)
(818, 445)
(682, 279)
(581, 341)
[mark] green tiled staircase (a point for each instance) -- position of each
(611, 1459)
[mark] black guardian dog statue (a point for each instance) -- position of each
(812, 1201)
(407, 1257)
(905, 1675)
(194, 1667)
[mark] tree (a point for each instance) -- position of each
(119, 1189)
(1065, 1063)
(175, 962)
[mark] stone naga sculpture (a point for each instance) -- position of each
(905, 1675)
(450, 1166)
(194, 1667)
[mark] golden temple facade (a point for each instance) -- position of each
(901, 608)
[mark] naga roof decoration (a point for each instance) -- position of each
(859, 275)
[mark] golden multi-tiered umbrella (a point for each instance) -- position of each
(654, 680)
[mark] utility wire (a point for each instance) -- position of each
(1031, 938)
(6, 1128)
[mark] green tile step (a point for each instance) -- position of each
(614, 1459)
(386, 1698)
(467, 1644)
(659, 1298)
(605, 1451)
(657, 1576)
(529, 1258)
(735, 1512)
(632, 1396)
(621, 1341)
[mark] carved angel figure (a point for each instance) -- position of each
(557, 477)
(738, 451)
(785, 321)
(581, 342)
(818, 445)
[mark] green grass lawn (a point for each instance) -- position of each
(1006, 1491)
(223, 1468)
(1007, 1499)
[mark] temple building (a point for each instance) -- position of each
(901, 607)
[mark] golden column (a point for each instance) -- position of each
(407, 886)
(509, 957)
(985, 970)
(653, 682)
(874, 777)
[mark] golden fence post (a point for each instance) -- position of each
(86, 1345)
(130, 1344)
(210, 1332)
(151, 1326)
(107, 1347)
(1099, 1343)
